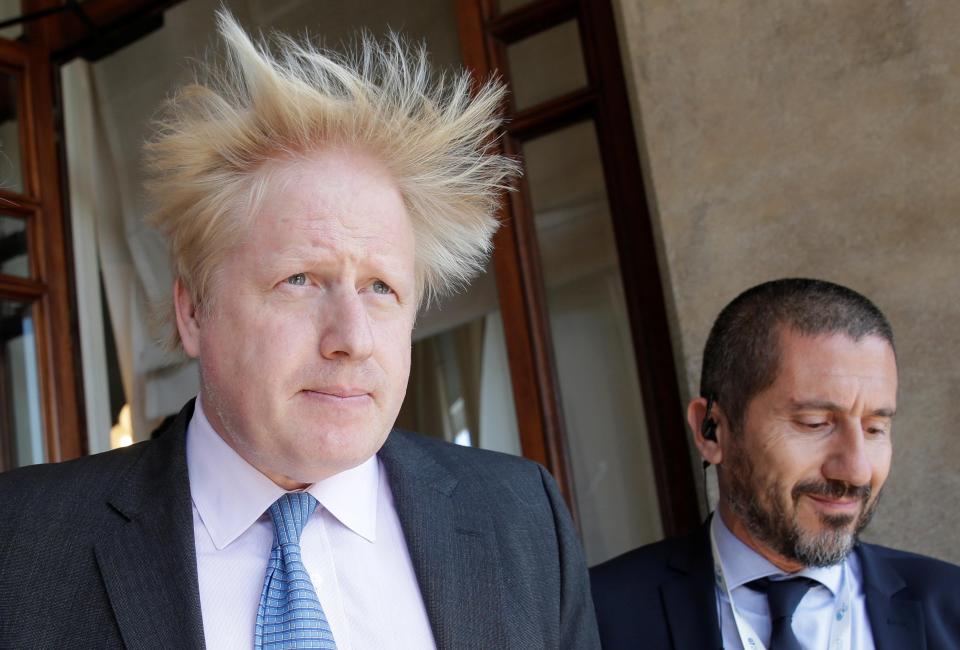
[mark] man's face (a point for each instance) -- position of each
(802, 478)
(306, 352)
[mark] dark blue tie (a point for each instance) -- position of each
(290, 615)
(783, 596)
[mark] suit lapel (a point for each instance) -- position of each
(451, 546)
(148, 563)
(689, 601)
(896, 621)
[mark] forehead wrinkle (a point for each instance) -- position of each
(320, 220)
(815, 405)
(831, 405)
(335, 242)
(838, 380)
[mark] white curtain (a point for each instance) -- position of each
(110, 238)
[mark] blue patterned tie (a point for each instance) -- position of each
(290, 615)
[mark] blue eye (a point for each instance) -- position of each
(381, 287)
(298, 279)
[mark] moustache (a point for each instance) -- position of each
(832, 490)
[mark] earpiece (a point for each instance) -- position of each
(708, 429)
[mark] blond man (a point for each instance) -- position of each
(311, 203)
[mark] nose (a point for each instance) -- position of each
(848, 460)
(347, 333)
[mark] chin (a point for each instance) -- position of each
(341, 448)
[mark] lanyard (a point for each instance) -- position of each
(840, 623)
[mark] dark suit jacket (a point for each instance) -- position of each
(662, 596)
(99, 552)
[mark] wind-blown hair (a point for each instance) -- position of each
(258, 105)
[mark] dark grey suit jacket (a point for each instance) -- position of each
(662, 596)
(99, 552)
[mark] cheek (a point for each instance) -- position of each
(393, 352)
(787, 463)
(252, 345)
(880, 457)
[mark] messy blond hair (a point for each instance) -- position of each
(258, 105)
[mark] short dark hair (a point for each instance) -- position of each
(742, 354)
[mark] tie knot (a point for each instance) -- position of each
(290, 513)
(783, 596)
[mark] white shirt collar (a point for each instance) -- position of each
(742, 564)
(230, 494)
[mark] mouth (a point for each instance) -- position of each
(842, 506)
(337, 394)
(834, 498)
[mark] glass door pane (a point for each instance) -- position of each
(14, 252)
(11, 167)
(460, 387)
(37, 345)
(593, 350)
(510, 5)
(21, 427)
(546, 65)
(11, 9)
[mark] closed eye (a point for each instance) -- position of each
(876, 430)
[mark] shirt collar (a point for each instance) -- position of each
(230, 494)
(742, 564)
(351, 497)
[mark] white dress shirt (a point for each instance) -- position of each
(814, 614)
(353, 548)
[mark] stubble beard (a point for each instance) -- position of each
(761, 507)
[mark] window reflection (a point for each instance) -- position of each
(21, 429)
(14, 258)
(11, 9)
(546, 65)
(11, 172)
(510, 5)
(592, 343)
(460, 388)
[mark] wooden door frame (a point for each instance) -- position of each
(484, 36)
(94, 29)
(49, 288)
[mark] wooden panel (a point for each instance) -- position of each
(21, 288)
(483, 37)
(50, 289)
(529, 19)
(523, 269)
(95, 28)
(552, 115)
(520, 288)
(92, 29)
(641, 273)
(68, 436)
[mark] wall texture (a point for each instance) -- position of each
(817, 138)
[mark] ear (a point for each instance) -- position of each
(187, 324)
(710, 450)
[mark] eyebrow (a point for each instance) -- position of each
(826, 405)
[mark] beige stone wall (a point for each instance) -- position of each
(817, 138)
